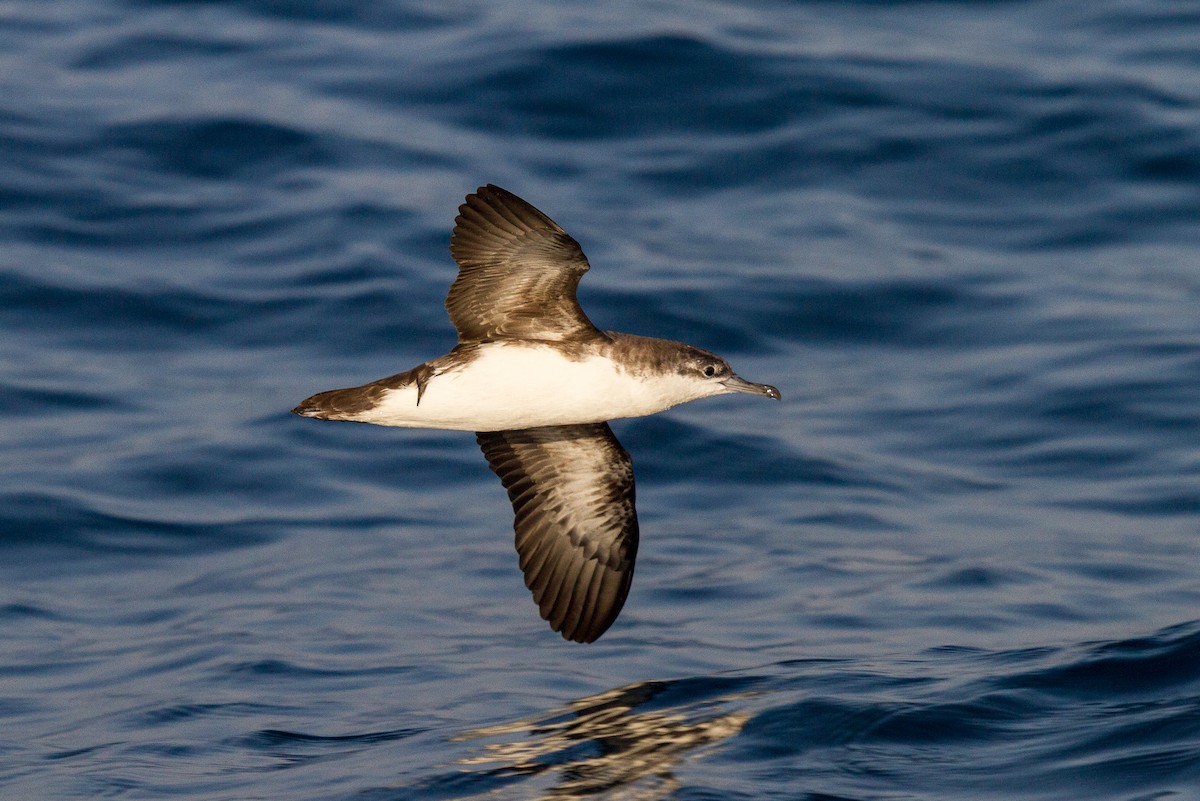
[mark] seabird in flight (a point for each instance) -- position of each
(538, 382)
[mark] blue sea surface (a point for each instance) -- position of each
(960, 560)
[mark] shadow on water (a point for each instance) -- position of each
(1075, 721)
(626, 742)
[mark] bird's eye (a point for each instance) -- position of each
(709, 371)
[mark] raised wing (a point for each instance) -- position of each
(572, 490)
(517, 273)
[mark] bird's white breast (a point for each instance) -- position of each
(509, 385)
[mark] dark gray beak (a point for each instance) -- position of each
(737, 384)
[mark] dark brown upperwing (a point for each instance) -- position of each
(572, 490)
(518, 272)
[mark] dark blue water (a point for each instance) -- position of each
(961, 560)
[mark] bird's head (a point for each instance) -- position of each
(712, 375)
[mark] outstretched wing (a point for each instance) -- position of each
(572, 490)
(517, 273)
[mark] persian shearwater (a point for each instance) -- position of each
(538, 382)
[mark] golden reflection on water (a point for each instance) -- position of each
(601, 747)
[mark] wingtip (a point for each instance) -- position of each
(484, 194)
(583, 638)
(492, 189)
(596, 609)
(585, 633)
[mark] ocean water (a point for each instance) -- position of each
(960, 560)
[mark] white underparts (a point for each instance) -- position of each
(510, 385)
